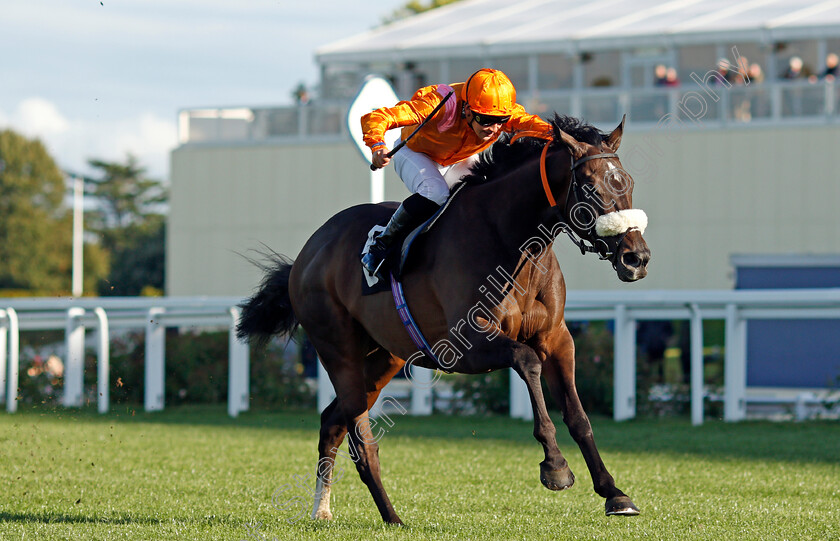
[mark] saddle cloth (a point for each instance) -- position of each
(396, 260)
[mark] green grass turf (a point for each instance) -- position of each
(192, 473)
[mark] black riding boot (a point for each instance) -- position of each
(411, 213)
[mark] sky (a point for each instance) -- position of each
(100, 80)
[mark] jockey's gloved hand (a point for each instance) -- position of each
(379, 156)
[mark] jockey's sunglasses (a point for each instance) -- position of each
(489, 120)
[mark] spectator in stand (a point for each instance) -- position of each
(831, 71)
(832, 66)
(741, 75)
(792, 98)
(794, 70)
(671, 78)
(660, 72)
(301, 94)
(752, 104)
(723, 73)
(756, 73)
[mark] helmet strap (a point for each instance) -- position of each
(464, 115)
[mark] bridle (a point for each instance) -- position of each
(599, 246)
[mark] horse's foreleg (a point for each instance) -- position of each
(503, 352)
(555, 473)
(559, 371)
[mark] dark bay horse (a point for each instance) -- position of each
(484, 287)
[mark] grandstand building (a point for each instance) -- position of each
(733, 129)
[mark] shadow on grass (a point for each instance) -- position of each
(188, 414)
(58, 518)
(760, 440)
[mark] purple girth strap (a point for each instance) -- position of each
(410, 325)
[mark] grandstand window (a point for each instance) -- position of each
(340, 81)
(641, 66)
(601, 68)
(461, 68)
(554, 71)
(515, 67)
(426, 72)
(832, 46)
(697, 59)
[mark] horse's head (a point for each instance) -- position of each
(599, 203)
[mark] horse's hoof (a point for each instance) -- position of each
(557, 479)
(322, 515)
(621, 505)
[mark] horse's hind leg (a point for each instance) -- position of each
(333, 430)
(363, 444)
(341, 348)
(380, 367)
(559, 371)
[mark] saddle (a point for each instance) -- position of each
(396, 260)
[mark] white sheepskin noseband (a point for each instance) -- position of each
(616, 223)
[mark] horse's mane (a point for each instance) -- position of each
(503, 156)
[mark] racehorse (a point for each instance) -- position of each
(483, 285)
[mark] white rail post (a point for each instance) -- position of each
(14, 359)
(421, 390)
(103, 361)
(238, 368)
(4, 329)
(326, 393)
(154, 360)
(520, 402)
(800, 407)
(74, 362)
(377, 186)
(696, 333)
(624, 368)
(735, 366)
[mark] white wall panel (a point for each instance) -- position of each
(708, 194)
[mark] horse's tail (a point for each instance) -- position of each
(269, 310)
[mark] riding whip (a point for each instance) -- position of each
(407, 139)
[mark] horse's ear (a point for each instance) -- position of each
(575, 146)
(614, 138)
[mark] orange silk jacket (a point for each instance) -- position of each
(447, 138)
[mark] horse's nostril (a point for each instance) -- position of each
(630, 259)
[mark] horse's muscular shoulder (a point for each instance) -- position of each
(534, 319)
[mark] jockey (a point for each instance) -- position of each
(441, 153)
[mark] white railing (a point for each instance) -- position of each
(153, 314)
(736, 307)
(625, 308)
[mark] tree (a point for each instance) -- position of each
(131, 226)
(35, 225)
(414, 7)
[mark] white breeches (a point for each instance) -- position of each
(423, 175)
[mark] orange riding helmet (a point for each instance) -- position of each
(489, 92)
